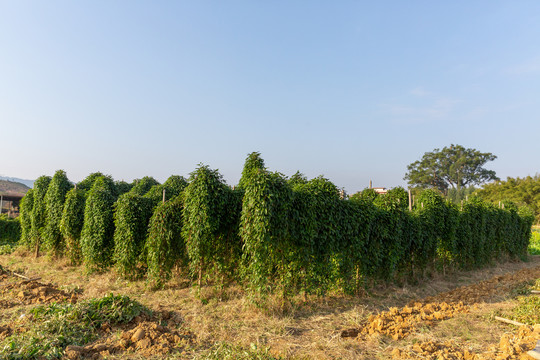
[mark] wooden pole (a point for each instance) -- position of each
(370, 184)
(1, 203)
(410, 200)
(164, 195)
(508, 321)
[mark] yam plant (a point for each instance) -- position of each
(209, 238)
(131, 217)
(165, 245)
(142, 186)
(25, 216)
(54, 205)
(72, 223)
(39, 212)
(98, 229)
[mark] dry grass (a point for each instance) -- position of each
(298, 330)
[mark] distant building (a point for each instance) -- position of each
(9, 204)
(380, 190)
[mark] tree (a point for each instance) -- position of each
(452, 167)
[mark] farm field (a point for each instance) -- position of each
(447, 317)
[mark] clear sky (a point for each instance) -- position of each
(352, 90)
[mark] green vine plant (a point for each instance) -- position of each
(98, 229)
(54, 205)
(39, 213)
(72, 223)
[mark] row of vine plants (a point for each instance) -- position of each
(270, 233)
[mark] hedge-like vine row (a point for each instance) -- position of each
(269, 234)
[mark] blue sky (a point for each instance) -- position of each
(352, 90)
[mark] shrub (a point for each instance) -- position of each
(10, 230)
(142, 186)
(98, 228)
(25, 217)
(165, 245)
(39, 214)
(208, 231)
(131, 217)
(72, 223)
(54, 204)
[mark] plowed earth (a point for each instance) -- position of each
(14, 292)
(511, 346)
(147, 339)
(398, 323)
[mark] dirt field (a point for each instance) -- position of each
(449, 317)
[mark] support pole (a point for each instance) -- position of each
(410, 200)
(164, 195)
(1, 203)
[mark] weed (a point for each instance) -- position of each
(534, 244)
(528, 310)
(224, 351)
(58, 325)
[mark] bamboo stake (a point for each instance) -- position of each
(508, 321)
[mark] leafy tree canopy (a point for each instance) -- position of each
(452, 167)
(522, 191)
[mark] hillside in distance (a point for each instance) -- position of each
(12, 187)
(28, 183)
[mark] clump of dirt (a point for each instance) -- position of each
(5, 331)
(33, 292)
(515, 346)
(147, 339)
(434, 350)
(510, 347)
(486, 289)
(398, 323)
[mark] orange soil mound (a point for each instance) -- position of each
(398, 323)
(147, 339)
(33, 292)
(510, 347)
(483, 290)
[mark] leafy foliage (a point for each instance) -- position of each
(72, 223)
(54, 204)
(274, 234)
(165, 245)
(367, 194)
(534, 246)
(131, 217)
(39, 212)
(173, 186)
(10, 230)
(453, 166)
(59, 325)
(210, 223)
(88, 182)
(98, 229)
(142, 186)
(522, 191)
(25, 216)
(122, 187)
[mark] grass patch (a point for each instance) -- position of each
(224, 351)
(54, 327)
(528, 310)
(534, 244)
